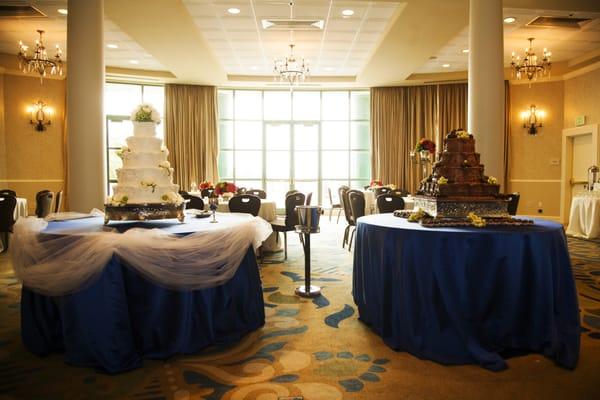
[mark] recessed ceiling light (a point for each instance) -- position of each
(465, 51)
(63, 11)
(233, 10)
(445, 65)
(134, 62)
(348, 13)
(112, 46)
(329, 68)
(509, 20)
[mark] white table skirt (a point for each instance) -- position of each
(584, 220)
(371, 202)
(21, 208)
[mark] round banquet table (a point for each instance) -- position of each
(122, 318)
(584, 219)
(467, 295)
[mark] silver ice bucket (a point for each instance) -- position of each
(308, 218)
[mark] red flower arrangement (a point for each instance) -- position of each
(376, 183)
(225, 187)
(206, 185)
(425, 144)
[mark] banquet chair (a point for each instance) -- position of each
(388, 203)
(308, 198)
(208, 192)
(241, 190)
(345, 202)
(194, 202)
(357, 206)
(7, 218)
(333, 206)
(290, 192)
(382, 190)
(513, 202)
(183, 193)
(8, 192)
(257, 192)
(58, 201)
(245, 203)
(43, 203)
(288, 224)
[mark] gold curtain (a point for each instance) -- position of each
(400, 116)
(191, 132)
(452, 108)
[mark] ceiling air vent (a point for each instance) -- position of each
(559, 22)
(277, 24)
(19, 11)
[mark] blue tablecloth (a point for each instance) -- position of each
(467, 295)
(123, 318)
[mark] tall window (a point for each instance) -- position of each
(119, 101)
(305, 140)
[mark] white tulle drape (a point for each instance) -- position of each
(58, 264)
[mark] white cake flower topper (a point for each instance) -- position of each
(145, 113)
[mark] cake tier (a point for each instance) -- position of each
(460, 174)
(144, 129)
(133, 176)
(466, 189)
(459, 145)
(143, 159)
(455, 159)
(144, 144)
(136, 194)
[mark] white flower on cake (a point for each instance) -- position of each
(145, 113)
(166, 166)
(172, 197)
(123, 152)
(118, 200)
(148, 184)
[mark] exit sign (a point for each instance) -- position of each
(580, 120)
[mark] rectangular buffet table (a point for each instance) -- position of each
(584, 219)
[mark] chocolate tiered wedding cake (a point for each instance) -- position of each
(457, 185)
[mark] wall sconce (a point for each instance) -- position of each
(40, 115)
(532, 119)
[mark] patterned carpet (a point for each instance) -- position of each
(312, 348)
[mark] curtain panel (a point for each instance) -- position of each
(191, 132)
(452, 107)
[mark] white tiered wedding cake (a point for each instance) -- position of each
(146, 176)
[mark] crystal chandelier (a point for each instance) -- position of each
(291, 69)
(530, 67)
(39, 61)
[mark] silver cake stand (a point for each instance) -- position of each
(143, 212)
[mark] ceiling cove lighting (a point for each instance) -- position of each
(530, 67)
(233, 10)
(63, 11)
(510, 20)
(39, 61)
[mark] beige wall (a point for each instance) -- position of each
(2, 133)
(582, 97)
(34, 160)
(531, 170)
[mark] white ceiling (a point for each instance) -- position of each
(244, 48)
(564, 43)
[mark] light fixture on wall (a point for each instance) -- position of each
(40, 115)
(38, 61)
(532, 119)
(291, 68)
(530, 67)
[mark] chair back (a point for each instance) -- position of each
(513, 203)
(382, 190)
(345, 203)
(43, 203)
(261, 194)
(245, 203)
(330, 196)
(387, 203)
(357, 204)
(194, 202)
(308, 198)
(58, 201)
(291, 201)
(241, 190)
(208, 192)
(7, 212)
(8, 192)
(183, 193)
(290, 192)
(400, 192)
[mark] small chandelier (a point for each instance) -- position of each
(39, 61)
(529, 67)
(291, 69)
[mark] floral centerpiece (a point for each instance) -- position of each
(376, 183)
(145, 113)
(225, 189)
(425, 145)
(206, 185)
